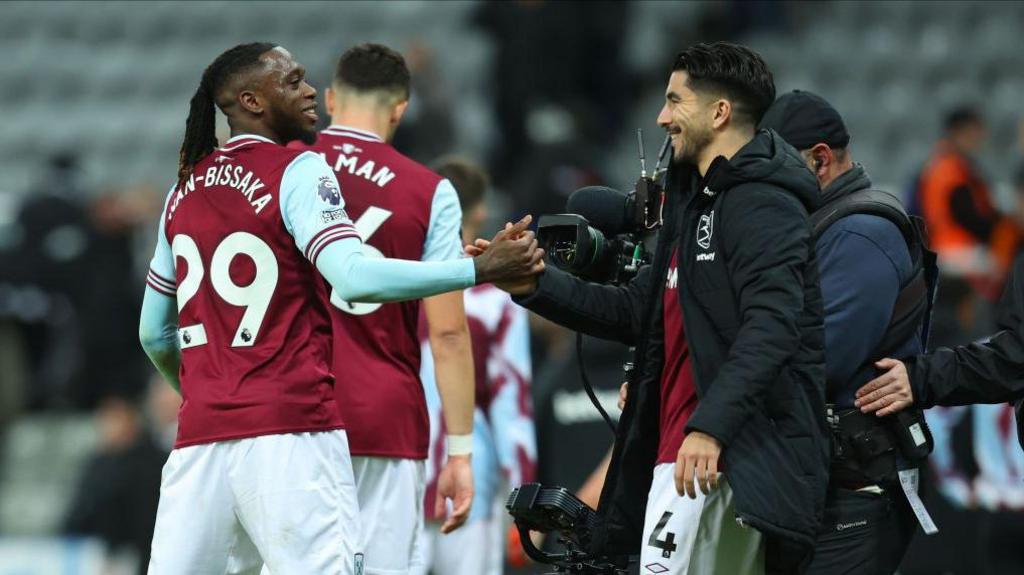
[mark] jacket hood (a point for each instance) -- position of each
(767, 158)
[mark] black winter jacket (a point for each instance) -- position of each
(991, 371)
(748, 288)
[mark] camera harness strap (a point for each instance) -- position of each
(913, 308)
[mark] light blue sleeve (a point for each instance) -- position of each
(444, 234)
(313, 210)
(158, 334)
(158, 322)
(161, 275)
(312, 206)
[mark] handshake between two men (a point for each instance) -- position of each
(696, 465)
(511, 260)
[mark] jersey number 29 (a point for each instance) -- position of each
(255, 297)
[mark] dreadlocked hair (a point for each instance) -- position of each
(201, 126)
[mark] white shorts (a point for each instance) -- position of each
(390, 493)
(698, 536)
(288, 500)
(471, 549)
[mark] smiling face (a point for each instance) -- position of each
(290, 102)
(687, 118)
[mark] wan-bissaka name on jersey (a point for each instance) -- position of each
(224, 173)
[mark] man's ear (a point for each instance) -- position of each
(722, 113)
(329, 100)
(250, 101)
(398, 111)
(821, 159)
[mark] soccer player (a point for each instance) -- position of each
(260, 471)
(504, 440)
(401, 209)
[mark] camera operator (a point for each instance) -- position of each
(727, 324)
(989, 371)
(865, 263)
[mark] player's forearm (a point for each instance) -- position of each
(358, 278)
(158, 334)
(453, 370)
(168, 362)
(590, 491)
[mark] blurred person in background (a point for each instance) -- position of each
(119, 486)
(865, 264)
(504, 442)
(535, 88)
(70, 278)
(428, 124)
(973, 239)
(113, 363)
(401, 209)
(49, 267)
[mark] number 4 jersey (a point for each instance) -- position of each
(237, 247)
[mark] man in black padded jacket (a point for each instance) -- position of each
(742, 392)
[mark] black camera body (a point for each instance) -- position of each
(556, 510)
(602, 239)
(572, 244)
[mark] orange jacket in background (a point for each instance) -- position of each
(965, 228)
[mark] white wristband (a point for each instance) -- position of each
(460, 444)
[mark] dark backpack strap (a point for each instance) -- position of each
(871, 202)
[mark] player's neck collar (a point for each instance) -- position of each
(341, 130)
(244, 139)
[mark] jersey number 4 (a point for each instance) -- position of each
(367, 224)
(255, 297)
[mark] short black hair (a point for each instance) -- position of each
(373, 68)
(961, 117)
(732, 71)
(469, 180)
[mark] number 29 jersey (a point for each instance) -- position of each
(237, 248)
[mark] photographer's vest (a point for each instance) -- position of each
(913, 308)
(867, 449)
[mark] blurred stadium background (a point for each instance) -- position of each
(548, 95)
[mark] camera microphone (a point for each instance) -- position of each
(606, 209)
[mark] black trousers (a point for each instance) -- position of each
(863, 533)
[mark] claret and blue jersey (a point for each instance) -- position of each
(239, 249)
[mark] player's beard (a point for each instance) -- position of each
(693, 140)
(292, 127)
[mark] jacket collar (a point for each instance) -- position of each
(853, 180)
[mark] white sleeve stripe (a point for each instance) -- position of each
(329, 239)
(160, 287)
(162, 279)
(316, 243)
